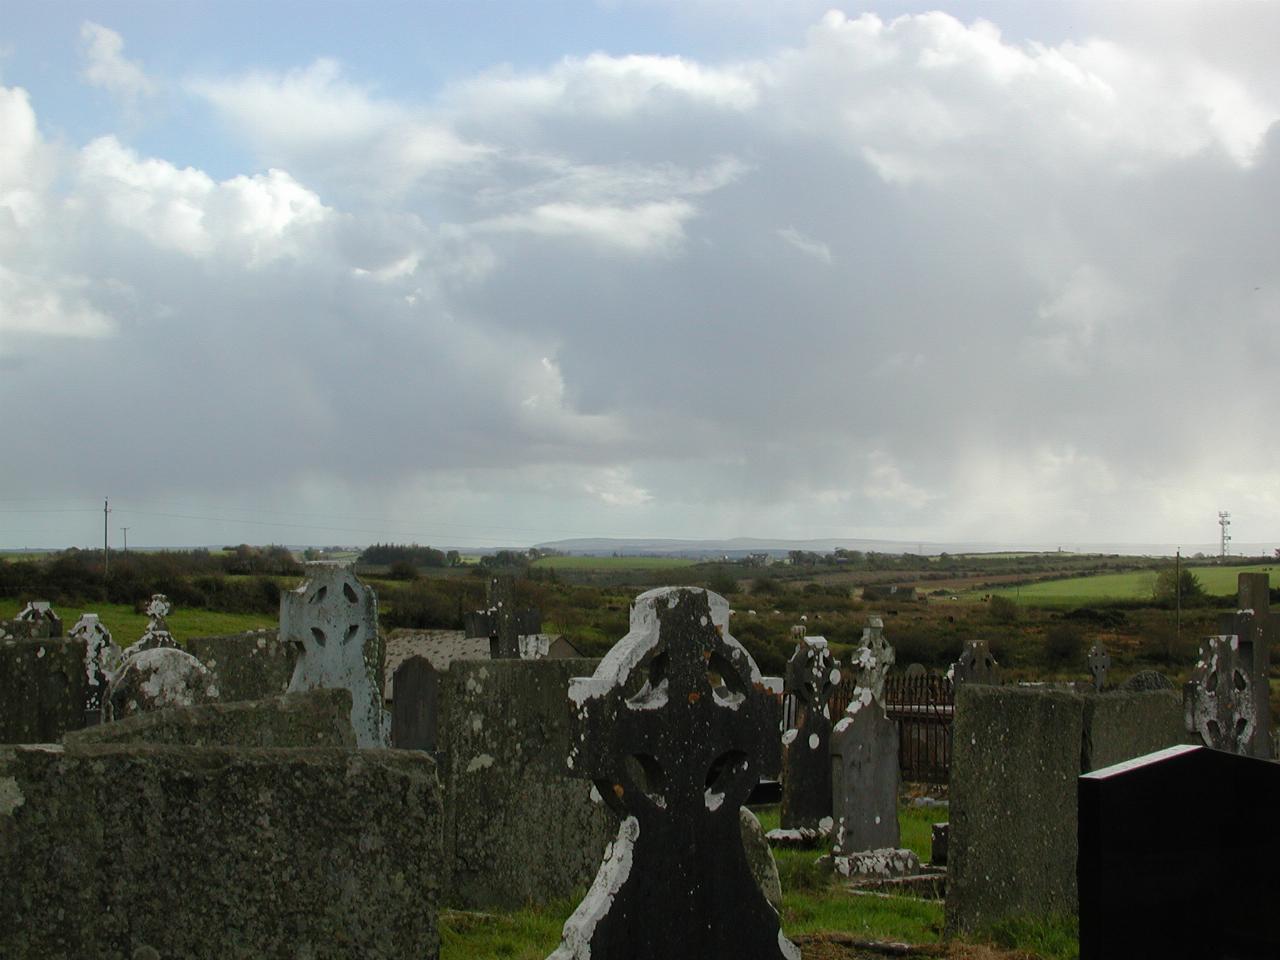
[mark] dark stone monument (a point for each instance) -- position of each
(1175, 860)
(864, 777)
(416, 708)
(976, 664)
(1099, 664)
(37, 621)
(675, 755)
(502, 623)
(811, 675)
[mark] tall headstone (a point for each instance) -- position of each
(333, 619)
(1099, 664)
(415, 710)
(504, 625)
(976, 664)
(873, 659)
(1228, 699)
(811, 676)
(101, 659)
(676, 756)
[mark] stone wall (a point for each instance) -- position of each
(42, 689)
(206, 852)
(518, 829)
(247, 666)
(1016, 754)
(317, 718)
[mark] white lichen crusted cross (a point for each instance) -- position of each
(811, 677)
(333, 619)
(673, 729)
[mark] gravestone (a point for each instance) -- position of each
(1234, 692)
(811, 675)
(676, 757)
(1175, 859)
(976, 665)
(37, 621)
(873, 659)
(155, 679)
(504, 625)
(1099, 664)
(101, 660)
(415, 709)
(157, 632)
(916, 670)
(333, 618)
(864, 776)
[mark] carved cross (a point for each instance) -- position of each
(1099, 664)
(501, 622)
(674, 729)
(976, 664)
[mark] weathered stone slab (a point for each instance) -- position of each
(864, 777)
(246, 666)
(1016, 756)
(519, 828)
(316, 718)
(43, 689)
(673, 729)
(1123, 725)
(415, 712)
(116, 852)
(812, 674)
(333, 619)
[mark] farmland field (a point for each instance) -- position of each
(126, 626)
(610, 564)
(1134, 585)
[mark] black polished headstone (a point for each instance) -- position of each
(673, 730)
(1177, 858)
(415, 705)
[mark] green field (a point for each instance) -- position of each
(126, 626)
(612, 564)
(1134, 585)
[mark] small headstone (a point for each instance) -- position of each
(675, 759)
(1147, 680)
(504, 625)
(415, 709)
(101, 660)
(333, 619)
(938, 847)
(976, 664)
(812, 674)
(157, 632)
(158, 678)
(38, 621)
(916, 670)
(1099, 664)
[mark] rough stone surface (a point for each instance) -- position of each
(881, 864)
(864, 776)
(1147, 680)
(675, 754)
(333, 618)
(1122, 725)
(1015, 759)
(224, 854)
(760, 859)
(317, 718)
(156, 678)
(519, 828)
(246, 666)
(812, 674)
(43, 689)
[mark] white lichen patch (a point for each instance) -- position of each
(11, 797)
(479, 763)
(813, 741)
(575, 941)
(789, 736)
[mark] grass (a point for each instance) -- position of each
(126, 626)
(612, 564)
(1133, 585)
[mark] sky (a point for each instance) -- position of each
(499, 273)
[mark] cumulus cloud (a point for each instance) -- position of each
(106, 67)
(902, 278)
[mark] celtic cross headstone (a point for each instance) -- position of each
(873, 659)
(1099, 664)
(503, 624)
(333, 619)
(673, 730)
(812, 674)
(976, 664)
(157, 632)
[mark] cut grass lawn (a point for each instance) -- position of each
(1134, 585)
(126, 626)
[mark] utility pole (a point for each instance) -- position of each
(106, 550)
(1177, 592)
(1224, 521)
(125, 531)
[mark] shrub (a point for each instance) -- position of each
(1064, 645)
(1002, 609)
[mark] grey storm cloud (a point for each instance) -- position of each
(898, 278)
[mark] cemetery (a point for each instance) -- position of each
(329, 788)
